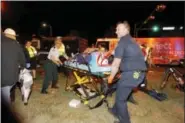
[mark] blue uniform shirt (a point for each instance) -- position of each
(130, 53)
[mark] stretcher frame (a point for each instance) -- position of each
(84, 77)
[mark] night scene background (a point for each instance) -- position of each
(90, 20)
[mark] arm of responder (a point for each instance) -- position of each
(65, 55)
(119, 51)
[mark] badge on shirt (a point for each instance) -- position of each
(136, 75)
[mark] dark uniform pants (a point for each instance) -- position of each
(129, 80)
(51, 74)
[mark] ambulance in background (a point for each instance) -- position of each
(165, 49)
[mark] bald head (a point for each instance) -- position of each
(122, 29)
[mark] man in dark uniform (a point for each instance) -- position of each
(129, 58)
(12, 58)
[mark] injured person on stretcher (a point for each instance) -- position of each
(90, 70)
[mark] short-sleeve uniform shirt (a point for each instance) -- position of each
(54, 52)
(130, 54)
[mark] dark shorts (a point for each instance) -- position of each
(33, 63)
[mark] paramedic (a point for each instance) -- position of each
(12, 58)
(50, 66)
(62, 56)
(128, 56)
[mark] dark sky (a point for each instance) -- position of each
(91, 18)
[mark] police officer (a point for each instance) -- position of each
(50, 67)
(128, 56)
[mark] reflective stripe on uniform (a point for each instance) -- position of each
(61, 50)
(32, 51)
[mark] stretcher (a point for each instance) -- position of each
(89, 70)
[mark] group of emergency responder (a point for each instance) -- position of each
(30, 60)
(128, 58)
